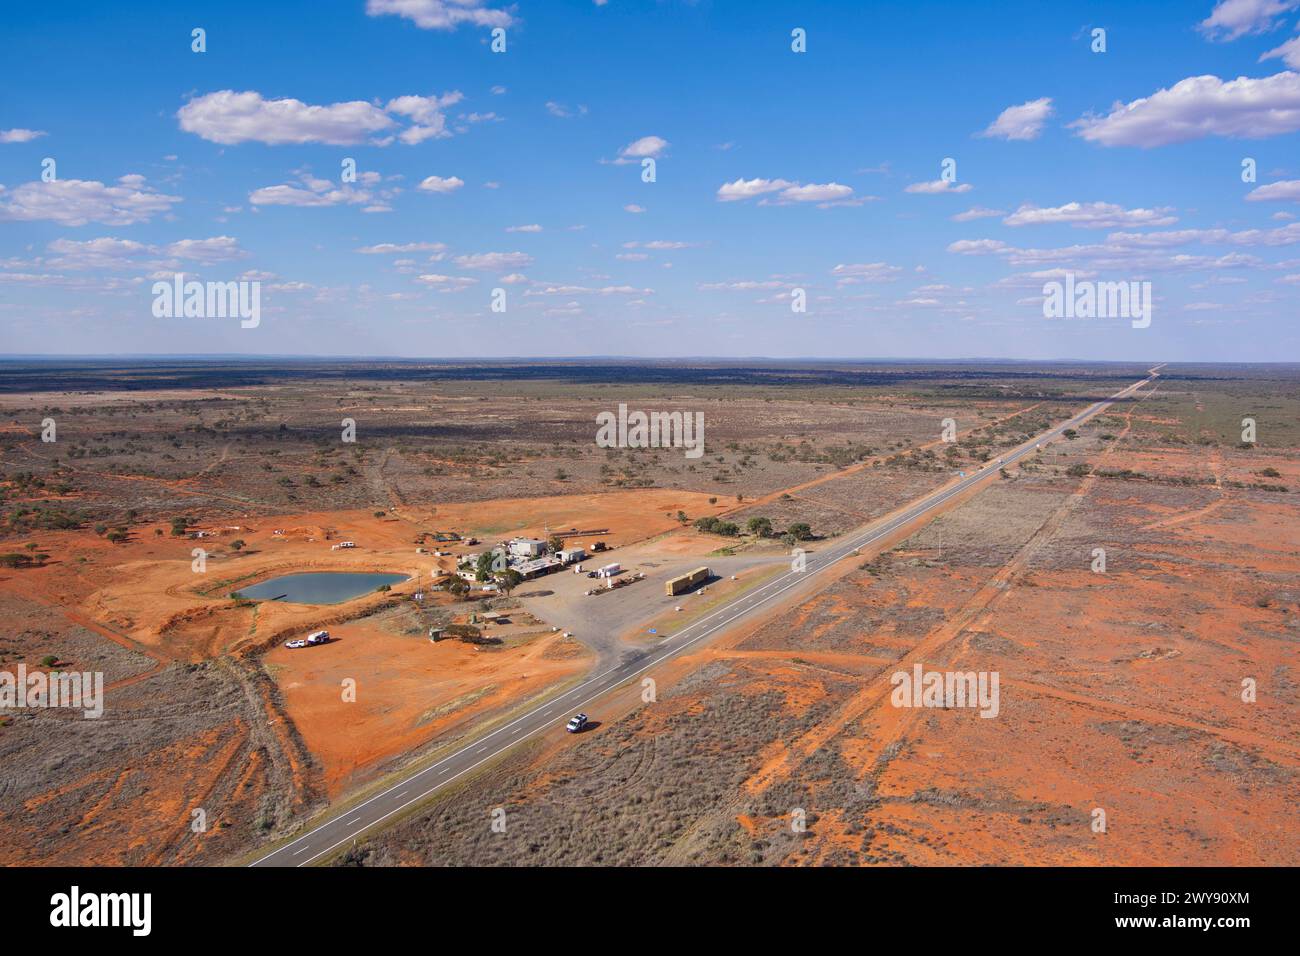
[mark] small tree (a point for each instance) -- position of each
(237, 544)
(760, 526)
(800, 530)
(508, 580)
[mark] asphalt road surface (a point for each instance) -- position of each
(334, 832)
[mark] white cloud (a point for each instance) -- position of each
(866, 272)
(1021, 122)
(228, 117)
(439, 184)
(938, 186)
(109, 252)
(531, 227)
(426, 113)
(106, 252)
(633, 208)
(1288, 53)
(390, 248)
(287, 195)
(1091, 215)
(495, 261)
(20, 135)
(447, 283)
(745, 285)
(214, 249)
(659, 244)
(977, 212)
(1285, 190)
(564, 112)
(643, 147)
(29, 278)
(76, 202)
(441, 14)
(1141, 252)
(977, 247)
(586, 290)
(1200, 106)
(749, 188)
(817, 192)
(825, 194)
(1231, 19)
(647, 147)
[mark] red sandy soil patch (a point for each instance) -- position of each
(629, 515)
(1119, 692)
(408, 691)
(113, 828)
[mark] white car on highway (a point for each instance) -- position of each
(576, 723)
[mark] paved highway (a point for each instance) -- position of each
(334, 832)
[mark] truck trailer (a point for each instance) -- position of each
(684, 582)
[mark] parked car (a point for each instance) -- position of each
(576, 724)
(296, 643)
(318, 637)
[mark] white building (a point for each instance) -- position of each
(527, 547)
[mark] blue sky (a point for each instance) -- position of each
(775, 171)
